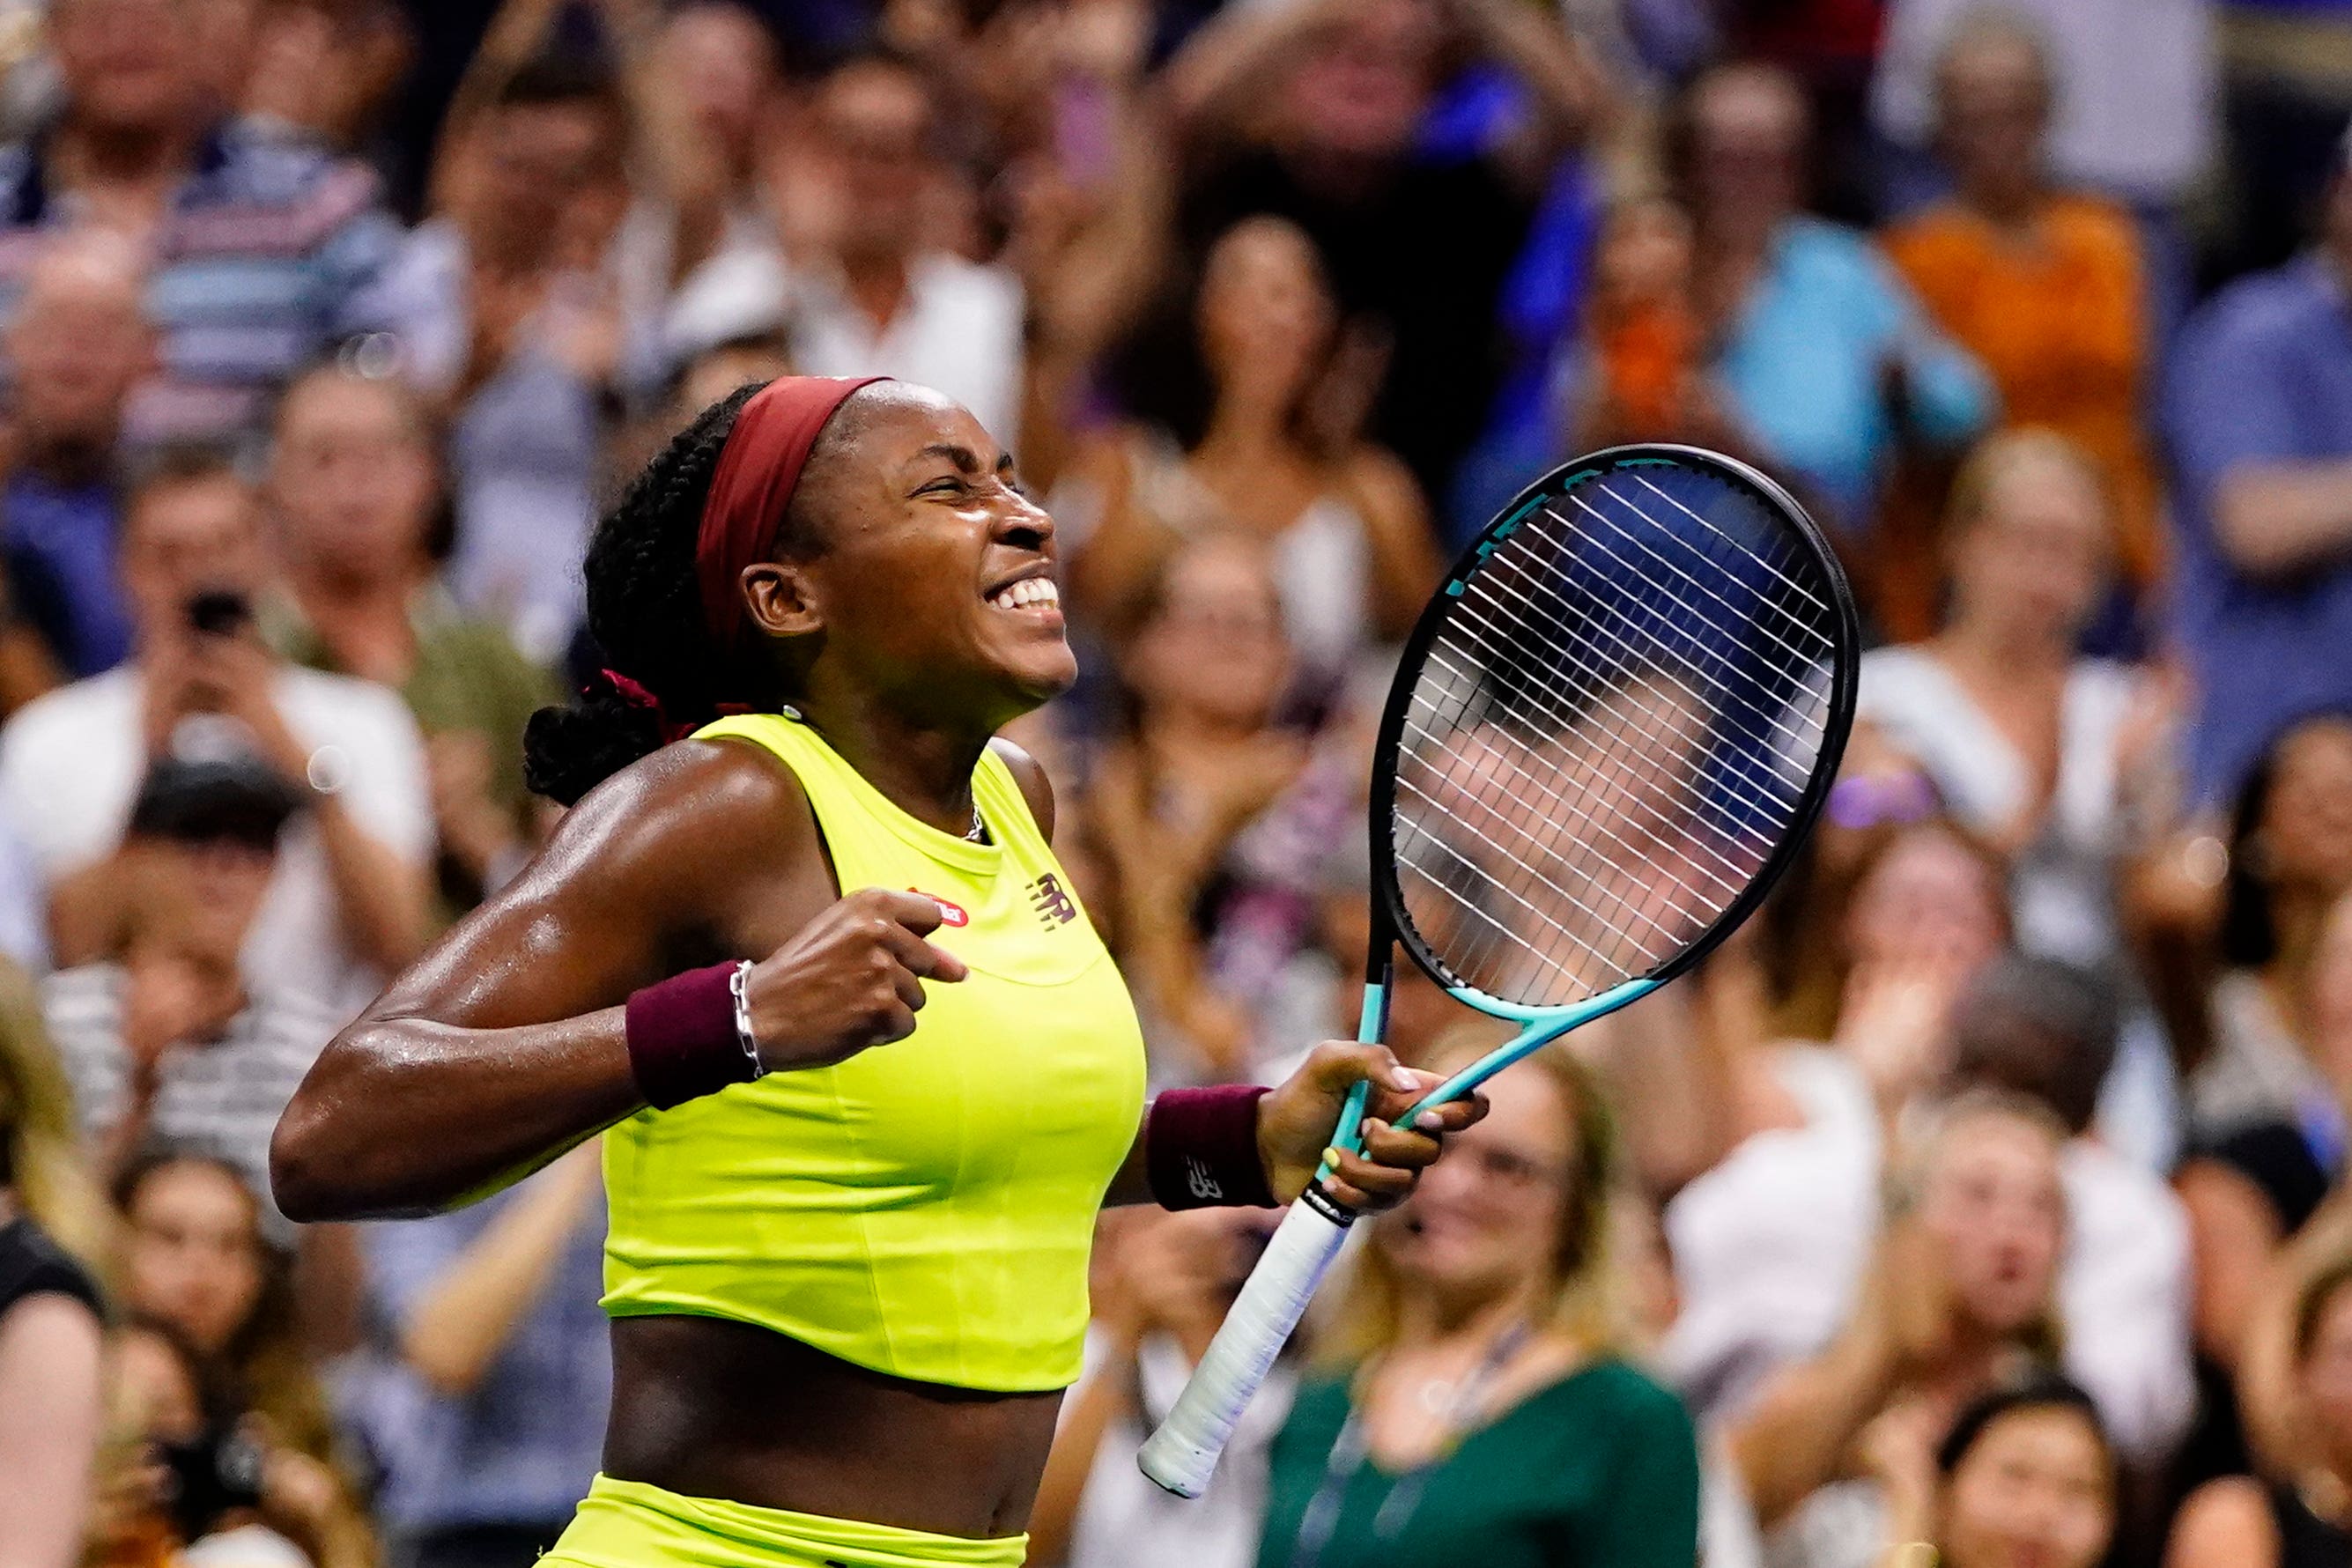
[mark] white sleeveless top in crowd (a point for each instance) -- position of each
(2062, 884)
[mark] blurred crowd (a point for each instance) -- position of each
(1982, 1202)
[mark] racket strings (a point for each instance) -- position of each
(1610, 734)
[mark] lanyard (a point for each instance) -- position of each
(1351, 1449)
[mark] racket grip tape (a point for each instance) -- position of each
(1183, 1454)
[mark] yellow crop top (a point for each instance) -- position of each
(924, 1208)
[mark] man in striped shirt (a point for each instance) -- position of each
(169, 1043)
(260, 248)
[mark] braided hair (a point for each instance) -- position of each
(645, 612)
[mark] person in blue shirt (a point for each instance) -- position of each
(488, 1414)
(2259, 413)
(1826, 355)
(75, 345)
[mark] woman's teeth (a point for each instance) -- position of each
(1027, 593)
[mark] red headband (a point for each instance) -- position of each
(758, 465)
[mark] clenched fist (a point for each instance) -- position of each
(852, 978)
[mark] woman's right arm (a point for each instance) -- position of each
(504, 1043)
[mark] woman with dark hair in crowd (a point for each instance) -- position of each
(1473, 1404)
(847, 1284)
(2299, 1390)
(194, 1259)
(53, 1231)
(1262, 445)
(2024, 1474)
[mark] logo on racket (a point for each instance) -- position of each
(949, 914)
(1053, 901)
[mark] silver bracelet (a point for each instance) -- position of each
(737, 987)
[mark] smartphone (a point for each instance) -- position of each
(216, 1473)
(219, 611)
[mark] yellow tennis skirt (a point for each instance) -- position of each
(628, 1524)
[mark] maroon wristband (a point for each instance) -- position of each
(1200, 1148)
(682, 1040)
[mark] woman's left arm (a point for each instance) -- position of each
(1405, 560)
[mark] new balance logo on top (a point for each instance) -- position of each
(1054, 904)
(1204, 1185)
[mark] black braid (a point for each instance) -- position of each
(644, 611)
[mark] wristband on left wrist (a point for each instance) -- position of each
(1200, 1149)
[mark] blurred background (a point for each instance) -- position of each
(1984, 1199)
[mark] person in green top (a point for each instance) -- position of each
(355, 483)
(1473, 1404)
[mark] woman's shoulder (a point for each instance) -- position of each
(1636, 1403)
(31, 1263)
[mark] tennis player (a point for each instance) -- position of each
(864, 1072)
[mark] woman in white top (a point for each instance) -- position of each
(1272, 455)
(2028, 744)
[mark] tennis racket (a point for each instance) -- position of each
(1609, 733)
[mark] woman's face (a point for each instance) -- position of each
(2306, 826)
(935, 583)
(1469, 1228)
(195, 1254)
(1265, 317)
(2035, 1491)
(1991, 1196)
(1214, 647)
(351, 476)
(1928, 901)
(2324, 1375)
(2035, 560)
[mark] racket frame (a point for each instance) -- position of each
(1181, 1453)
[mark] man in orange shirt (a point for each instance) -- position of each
(2043, 286)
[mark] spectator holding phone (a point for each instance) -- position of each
(166, 1040)
(348, 902)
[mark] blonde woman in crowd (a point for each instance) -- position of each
(1963, 1294)
(1473, 1402)
(53, 1229)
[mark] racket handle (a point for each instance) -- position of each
(1182, 1454)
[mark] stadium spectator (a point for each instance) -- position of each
(1473, 1404)
(54, 1226)
(2047, 1032)
(490, 1431)
(1961, 1295)
(194, 1259)
(1167, 1283)
(261, 251)
(2136, 105)
(503, 324)
(2290, 859)
(2045, 285)
(354, 486)
(1314, 112)
(2259, 413)
(2297, 1383)
(349, 901)
(165, 1041)
(324, 71)
(2032, 747)
(879, 296)
(77, 343)
(698, 260)
(2024, 1474)
(1233, 440)
(1827, 356)
(191, 1481)
(1215, 817)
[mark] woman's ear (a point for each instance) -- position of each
(782, 600)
